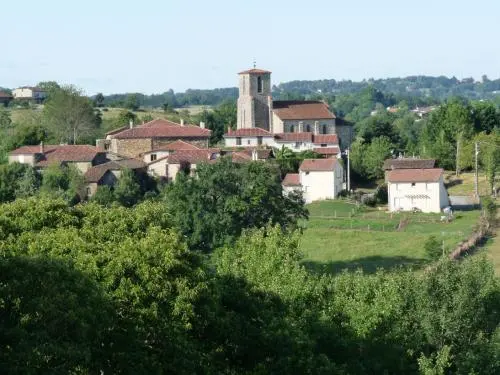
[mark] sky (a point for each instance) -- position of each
(150, 46)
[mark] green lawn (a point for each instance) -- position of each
(340, 236)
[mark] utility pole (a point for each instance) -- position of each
(348, 172)
(476, 182)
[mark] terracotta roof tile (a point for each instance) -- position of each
(310, 165)
(192, 156)
(240, 157)
(59, 153)
(95, 173)
(163, 129)
(327, 150)
(179, 145)
(248, 133)
(255, 71)
(291, 179)
(294, 137)
(415, 175)
(408, 163)
(302, 110)
(5, 95)
(325, 138)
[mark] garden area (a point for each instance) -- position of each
(342, 235)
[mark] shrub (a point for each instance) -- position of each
(433, 248)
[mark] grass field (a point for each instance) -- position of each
(339, 236)
(464, 183)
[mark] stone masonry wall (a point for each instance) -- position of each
(159, 143)
(133, 147)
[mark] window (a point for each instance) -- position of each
(308, 128)
(107, 146)
(292, 129)
(412, 184)
(323, 145)
(259, 85)
(259, 140)
(323, 129)
(153, 157)
(248, 141)
(238, 141)
(298, 144)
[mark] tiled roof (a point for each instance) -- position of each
(5, 95)
(408, 164)
(302, 110)
(163, 129)
(95, 173)
(291, 179)
(179, 145)
(327, 150)
(59, 153)
(240, 157)
(415, 175)
(261, 153)
(294, 137)
(325, 138)
(255, 71)
(192, 156)
(309, 165)
(248, 133)
(116, 131)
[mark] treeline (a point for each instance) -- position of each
(417, 89)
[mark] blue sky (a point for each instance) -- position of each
(150, 46)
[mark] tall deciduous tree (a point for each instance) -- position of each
(69, 114)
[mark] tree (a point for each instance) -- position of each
(433, 248)
(10, 176)
(69, 114)
(222, 199)
(5, 120)
(132, 102)
(49, 86)
(55, 181)
(128, 190)
(379, 150)
(99, 100)
(104, 195)
(28, 184)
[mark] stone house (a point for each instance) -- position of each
(253, 137)
(318, 179)
(421, 189)
(109, 173)
(153, 155)
(82, 157)
(154, 135)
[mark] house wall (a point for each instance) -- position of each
(159, 168)
(249, 141)
(400, 196)
(22, 93)
(159, 155)
(131, 147)
(173, 169)
(82, 166)
(289, 189)
(200, 142)
(285, 126)
(23, 159)
(317, 185)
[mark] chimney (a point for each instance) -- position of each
(301, 126)
(255, 155)
(182, 122)
(131, 123)
(202, 125)
(316, 127)
(41, 147)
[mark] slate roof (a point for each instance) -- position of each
(408, 163)
(302, 110)
(163, 129)
(318, 165)
(250, 132)
(95, 173)
(415, 175)
(291, 179)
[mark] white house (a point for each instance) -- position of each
(421, 189)
(251, 137)
(29, 93)
(319, 179)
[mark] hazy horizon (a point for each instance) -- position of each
(115, 47)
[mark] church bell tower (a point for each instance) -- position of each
(255, 100)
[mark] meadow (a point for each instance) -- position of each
(340, 235)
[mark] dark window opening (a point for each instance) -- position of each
(308, 128)
(323, 145)
(153, 157)
(259, 140)
(259, 85)
(324, 129)
(412, 184)
(238, 141)
(292, 128)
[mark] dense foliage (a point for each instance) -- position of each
(137, 300)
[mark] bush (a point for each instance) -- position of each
(381, 194)
(433, 248)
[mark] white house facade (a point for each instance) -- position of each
(421, 189)
(318, 179)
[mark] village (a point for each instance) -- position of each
(162, 148)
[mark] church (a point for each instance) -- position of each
(296, 124)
